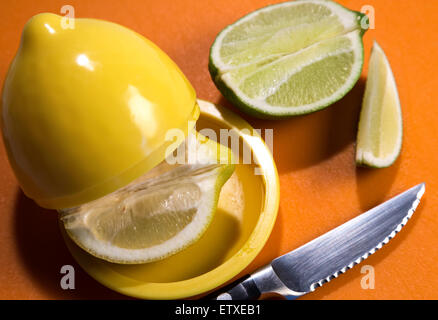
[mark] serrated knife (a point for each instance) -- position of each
(310, 266)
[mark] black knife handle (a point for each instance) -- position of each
(241, 289)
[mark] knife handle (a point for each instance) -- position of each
(263, 282)
(241, 289)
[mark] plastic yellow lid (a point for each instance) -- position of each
(86, 110)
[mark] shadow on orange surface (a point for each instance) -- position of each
(374, 184)
(312, 138)
(269, 252)
(43, 253)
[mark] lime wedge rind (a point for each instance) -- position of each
(365, 147)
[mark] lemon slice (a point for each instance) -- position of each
(158, 215)
(290, 58)
(379, 138)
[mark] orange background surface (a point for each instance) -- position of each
(320, 185)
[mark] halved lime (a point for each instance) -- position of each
(290, 58)
(158, 215)
(379, 137)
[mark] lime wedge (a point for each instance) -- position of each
(289, 59)
(379, 138)
(157, 216)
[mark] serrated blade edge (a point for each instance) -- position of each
(411, 211)
(298, 269)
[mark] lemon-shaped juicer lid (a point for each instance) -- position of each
(87, 108)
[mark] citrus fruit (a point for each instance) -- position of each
(158, 215)
(379, 138)
(289, 59)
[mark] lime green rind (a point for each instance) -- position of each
(364, 163)
(360, 16)
(259, 112)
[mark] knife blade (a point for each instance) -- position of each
(310, 266)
